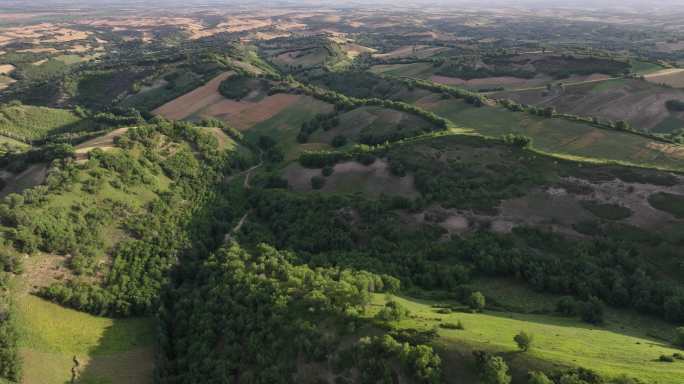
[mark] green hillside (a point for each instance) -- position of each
(26, 123)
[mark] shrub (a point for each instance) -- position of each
(675, 105)
(524, 341)
(476, 301)
(327, 170)
(366, 158)
(666, 359)
(392, 311)
(339, 141)
(567, 306)
(622, 125)
(679, 337)
(593, 311)
(458, 325)
(517, 140)
(235, 87)
(317, 182)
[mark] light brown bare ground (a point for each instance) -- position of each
(245, 114)
(372, 180)
(194, 101)
(6, 69)
(673, 77)
(103, 142)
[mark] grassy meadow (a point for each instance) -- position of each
(25, 122)
(614, 349)
(108, 350)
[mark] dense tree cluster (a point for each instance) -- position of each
(321, 121)
(245, 314)
(158, 234)
(10, 362)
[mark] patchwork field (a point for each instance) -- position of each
(493, 82)
(194, 101)
(302, 58)
(640, 103)
(350, 177)
(373, 125)
(283, 124)
(415, 70)
(565, 138)
(207, 102)
(427, 71)
(416, 51)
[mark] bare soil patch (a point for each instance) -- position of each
(245, 114)
(673, 77)
(103, 142)
(192, 102)
(6, 69)
(351, 176)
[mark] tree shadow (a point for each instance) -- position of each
(125, 354)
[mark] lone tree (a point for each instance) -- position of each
(476, 301)
(317, 182)
(622, 125)
(495, 371)
(538, 378)
(549, 111)
(592, 311)
(524, 340)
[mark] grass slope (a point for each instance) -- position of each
(284, 126)
(611, 350)
(25, 122)
(108, 350)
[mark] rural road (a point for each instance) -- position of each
(246, 185)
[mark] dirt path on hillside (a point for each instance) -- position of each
(246, 185)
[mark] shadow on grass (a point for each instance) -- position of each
(124, 354)
(651, 330)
